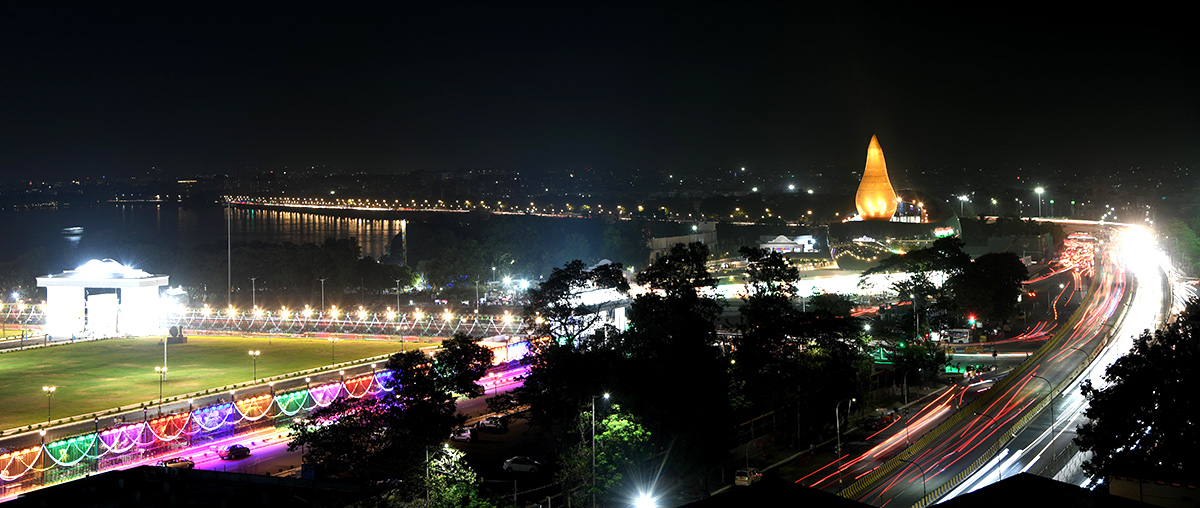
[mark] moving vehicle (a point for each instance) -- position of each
(178, 462)
(462, 434)
(521, 464)
(233, 452)
(747, 476)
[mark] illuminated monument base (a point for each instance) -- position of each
(102, 299)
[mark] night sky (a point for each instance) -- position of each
(99, 90)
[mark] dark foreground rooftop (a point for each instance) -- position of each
(160, 486)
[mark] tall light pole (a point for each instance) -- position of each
(916, 315)
(322, 299)
(398, 295)
(162, 374)
(1039, 192)
(332, 350)
(229, 252)
(253, 293)
(1050, 389)
(924, 492)
(254, 357)
(837, 420)
(594, 397)
(49, 393)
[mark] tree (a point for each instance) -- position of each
(373, 440)
(943, 255)
(555, 309)
(1142, 421)
(452, 483)
(768, 273)
(988, 288)
(622, 446)
(672, 337)
(834, 304)
(461, 363)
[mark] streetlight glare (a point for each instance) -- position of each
(644, 500)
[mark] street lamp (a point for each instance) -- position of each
(1039, 192)
(254, 356)
(916, 315)
(322, 298)
(1049, 388)
(837, 420)
(332, 350)
(594, 397)
(162, 374)
(924, 492)
(398, 294)
(253, 293)
(49, 393)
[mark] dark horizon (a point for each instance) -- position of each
(95, 90)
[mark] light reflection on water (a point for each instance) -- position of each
(183, 227)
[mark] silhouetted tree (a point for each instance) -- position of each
(1142, 423)
(461, 362)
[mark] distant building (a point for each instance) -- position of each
(784, 244)
(887, 217)
(703, 232)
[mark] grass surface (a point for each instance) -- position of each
(95, 376)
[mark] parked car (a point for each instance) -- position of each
(462, 434)
(178, 462)
(883, 420)
(747, 476)
(233, 452)
(494, 422)
(521, 464)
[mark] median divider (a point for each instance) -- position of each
(886, 468)
(1028, 417)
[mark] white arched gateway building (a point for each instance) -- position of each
(102, 299)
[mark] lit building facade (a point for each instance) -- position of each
(102, 299)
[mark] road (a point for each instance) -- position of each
(1036, 447)
(970, 436)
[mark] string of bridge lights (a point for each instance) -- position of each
(496, 206)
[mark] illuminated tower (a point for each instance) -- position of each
(875, 198)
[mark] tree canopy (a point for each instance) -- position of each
(386, 440)
(1142, 421)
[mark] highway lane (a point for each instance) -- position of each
(864, 452)
(1036, 447)
(977, 433)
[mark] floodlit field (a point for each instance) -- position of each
(95, 376)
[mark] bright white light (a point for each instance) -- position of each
(644, 501)
(109, 269)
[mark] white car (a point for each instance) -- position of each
(521, 464)
(462, 434)
(494, 422)
(747, 476)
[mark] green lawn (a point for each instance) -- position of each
(93, 376)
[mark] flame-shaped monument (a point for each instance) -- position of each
(876, 200)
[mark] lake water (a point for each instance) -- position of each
(174, 226)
